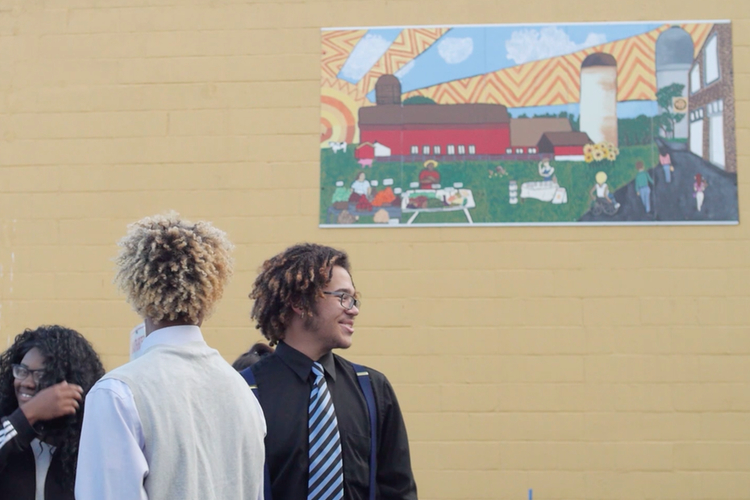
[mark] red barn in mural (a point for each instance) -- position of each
(437, 130)
(433, 129)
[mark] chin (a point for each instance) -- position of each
(344, 343)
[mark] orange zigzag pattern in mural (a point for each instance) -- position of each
(557, 80)
(408, 45)
(337, 45)
(699, 33)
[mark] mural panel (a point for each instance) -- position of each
(608, 123)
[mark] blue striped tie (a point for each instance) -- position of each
(326, 479)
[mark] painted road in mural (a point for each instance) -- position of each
(676, 198)
(548, 124)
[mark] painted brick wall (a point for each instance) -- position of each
(585, 363)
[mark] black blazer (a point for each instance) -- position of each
(18, 467)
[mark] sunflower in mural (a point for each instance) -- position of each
(603, 151)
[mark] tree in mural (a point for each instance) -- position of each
(636, 131)
(418, 99)
(668, 118)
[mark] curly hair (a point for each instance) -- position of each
(294, 278)
(68, 356)
(172, 269)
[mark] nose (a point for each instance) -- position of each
(353, 311)
(28, 381)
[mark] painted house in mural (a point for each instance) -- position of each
(525, 134)
(711, 101)
(564, 146)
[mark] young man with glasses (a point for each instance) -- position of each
(316, 408)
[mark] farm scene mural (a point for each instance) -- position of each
(606, 123)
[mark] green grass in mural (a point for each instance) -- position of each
(491, 193)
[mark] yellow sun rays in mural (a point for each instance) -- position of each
(557, 80)
(338, 114)
(337, 45)
(408, 45)
(339, 99)
(546, 82)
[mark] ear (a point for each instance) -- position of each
(297, 308)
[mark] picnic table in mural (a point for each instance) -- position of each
(544, 191)
(447, 199)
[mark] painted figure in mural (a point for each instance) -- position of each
(305, 302)
(602, 191)
(666, 163)
(429, 176)
(361, 186)
(44, 376)
(699, 186)
(546, 170)
(642, 181)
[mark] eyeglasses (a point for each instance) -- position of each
(347, 300)
(20, 372)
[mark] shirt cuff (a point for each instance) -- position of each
(25, 432)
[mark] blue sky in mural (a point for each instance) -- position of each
(367, 52)
(470, 51)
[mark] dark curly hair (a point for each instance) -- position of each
(294, 278)
(68, 356)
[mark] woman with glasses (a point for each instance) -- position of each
(44, 377)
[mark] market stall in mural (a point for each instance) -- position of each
(615, 123)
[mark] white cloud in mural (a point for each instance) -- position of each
(531, 45)
(455, 50)
(405, 69)
(367, 52)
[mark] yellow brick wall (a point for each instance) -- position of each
(583, 362)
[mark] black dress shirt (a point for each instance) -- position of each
(284, 384)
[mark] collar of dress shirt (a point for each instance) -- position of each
(173, 335)
(301, 364)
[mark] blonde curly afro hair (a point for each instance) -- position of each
(172, 269)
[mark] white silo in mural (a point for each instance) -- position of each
(598, 103)
(674, 56)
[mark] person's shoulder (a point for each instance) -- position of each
(264, 364)
(376, 376)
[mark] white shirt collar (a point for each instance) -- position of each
(173, 335)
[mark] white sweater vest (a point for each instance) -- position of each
(202, 425)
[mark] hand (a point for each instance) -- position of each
(54, 401)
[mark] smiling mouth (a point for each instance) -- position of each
(24, 396)
(348, 327)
